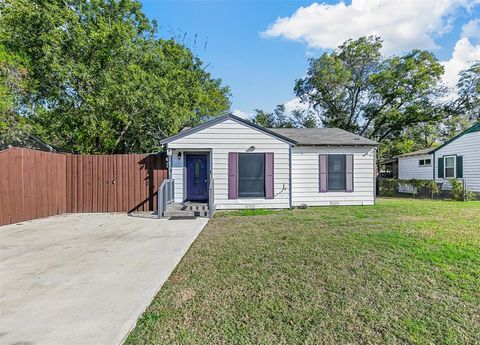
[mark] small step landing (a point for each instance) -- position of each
(187, 210)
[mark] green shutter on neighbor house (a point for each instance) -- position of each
(440, 167)
(459, 166)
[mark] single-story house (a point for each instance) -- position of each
(237, 165)
(414, 165)
(457, 158)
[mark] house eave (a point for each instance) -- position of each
(224, 118)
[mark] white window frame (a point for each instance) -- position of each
(454, 166)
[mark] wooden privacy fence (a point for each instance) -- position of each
(32, 185)
(35, 184)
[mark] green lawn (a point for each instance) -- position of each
(403, 271)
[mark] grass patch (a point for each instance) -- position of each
(402, 271)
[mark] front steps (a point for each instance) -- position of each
(186, 210)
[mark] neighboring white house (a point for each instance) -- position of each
(241, 165)
(457, 158)
(415, 165)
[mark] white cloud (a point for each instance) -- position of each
(463, 56)
(240, 113)
(402, 25)
(471, 29)
(293, 104)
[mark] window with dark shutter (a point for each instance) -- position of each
(449, 166)
(251, 175)
(336, 173)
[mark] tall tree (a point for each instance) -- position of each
(13, 79)
(280, 119)
(275, 119)
(465, 109)
(357, 89)
(100, 81)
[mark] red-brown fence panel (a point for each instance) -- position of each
(35, 184)
(32, 185)
(114, 183)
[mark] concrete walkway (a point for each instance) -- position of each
(84, 278)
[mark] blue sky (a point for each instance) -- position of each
(259, 48)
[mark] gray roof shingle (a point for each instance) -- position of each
(418, 152)
(323, 136)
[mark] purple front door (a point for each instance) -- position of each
(197, 177)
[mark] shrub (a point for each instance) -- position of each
(390, 186)
(459, 192)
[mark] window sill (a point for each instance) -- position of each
(252, 197)
(335, 191)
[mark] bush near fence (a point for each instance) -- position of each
(426, 189)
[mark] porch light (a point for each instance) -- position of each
(179, 155)
(251, 149)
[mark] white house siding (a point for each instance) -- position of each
(231, 136)
(305, 177)
(409, 168)
(468, 146)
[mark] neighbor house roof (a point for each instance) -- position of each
(474, 128)
(418, 152)
(293, 136)
(323, 136)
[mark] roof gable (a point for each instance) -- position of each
(474, 128)
(217, 120)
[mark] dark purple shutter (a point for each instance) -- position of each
(269, 175)
(323, 169)
(233, 175)
(349, 172)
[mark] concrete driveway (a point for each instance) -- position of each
(84, 278)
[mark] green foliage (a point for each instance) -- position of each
(391, 186)
(459, 192)
(356, 89)
(467, 106)
(13, 81)
(458, 116)
(99, 79)
(278, 119)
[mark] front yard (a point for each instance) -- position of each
(403, 271)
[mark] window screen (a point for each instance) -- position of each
(251, 175)
(449, 166)
(428, 161)
(336, 172)
(421, 162)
